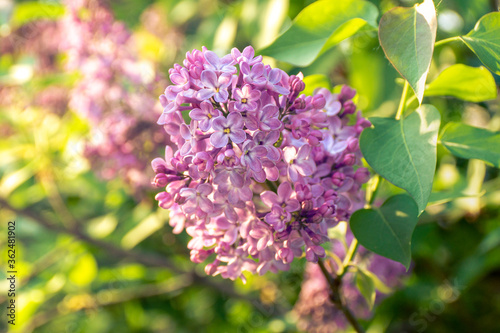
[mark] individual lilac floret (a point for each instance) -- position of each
(299, 162)
(282, 199)
(246, 98)
(215, 87)
(197, 198)
(246, 56)
(226, 129)
(205, 114)
(222, 65)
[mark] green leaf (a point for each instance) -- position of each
(484, 41)
(34, 10)
(437, 198)
(407, 37)
(471, 142)
(366, 287)
(320, 26)
(84, 271)
(314, 82)
(404, 151)
(387, 231)
(464, 82)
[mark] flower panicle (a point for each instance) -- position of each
(261, 171)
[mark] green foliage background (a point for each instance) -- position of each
(94, 257)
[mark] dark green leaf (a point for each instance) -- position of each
(484, 40)
(387, 231)
(407, 36)
(404, 151)
(320, 26)
(471, 142)
(464, 82)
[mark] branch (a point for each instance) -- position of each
(336, 297)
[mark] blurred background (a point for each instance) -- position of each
(79, 82)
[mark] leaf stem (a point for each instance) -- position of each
(350, 255)
(401, 106)
(336, 298)
(447, 40)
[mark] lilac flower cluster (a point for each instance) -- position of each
(113, 92)
(314, 309)
(259, 172)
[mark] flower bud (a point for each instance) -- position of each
(349, 159)
(349, 107)
(338, 179)
(160, 180)
(318, 101)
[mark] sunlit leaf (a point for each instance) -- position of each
(314, 82)
(484, 40)
(84, 271)
(464, 82)
(387, 230)
(366, 287)
(34, 10)
(407, 36)
(404, 151)
(471, 142)
(321, 25)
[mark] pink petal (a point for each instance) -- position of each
(292, 205)
(235, 120)
(225, 80)
(219, 123)
(289, 153)
(219, 139)
(206, 205)
(237, 136)
(306, 168)
(185, 132)
(284, 191)
(221, 96)
(205, 94)
(304, 152)
(273, 153)
(197, 114)
(212, 58)
(269, 198)
(204, 189)
(209, 79)
(187, 192)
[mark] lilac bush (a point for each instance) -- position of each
(258, 172)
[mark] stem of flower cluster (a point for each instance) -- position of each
(401, 106)
(336, 297)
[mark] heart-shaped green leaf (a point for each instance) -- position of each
(471, 142)
(404, 151)
(319, 26)
(387, 230)
(484, 41)
(407, 35)
(464, 82)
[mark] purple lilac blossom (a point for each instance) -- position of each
(112, 93)
(255, 178)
